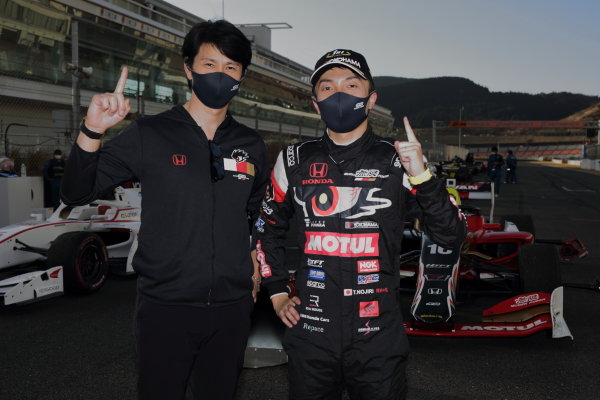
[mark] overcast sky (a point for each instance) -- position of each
(530, 46)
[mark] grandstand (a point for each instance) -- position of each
(42, 101)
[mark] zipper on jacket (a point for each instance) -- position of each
(212, 239)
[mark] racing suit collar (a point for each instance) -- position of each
(340, 154)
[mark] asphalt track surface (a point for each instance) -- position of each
(80, 347)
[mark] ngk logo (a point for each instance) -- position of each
(342, 245)
(318, 170)
(366, 266)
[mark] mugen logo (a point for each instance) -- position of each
(179, 159)
(318, 170)
(342, 245)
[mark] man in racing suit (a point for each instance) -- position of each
(347, 194)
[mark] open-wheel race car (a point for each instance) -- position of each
(72, 249)
(498, 259)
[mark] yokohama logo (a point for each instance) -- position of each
(366, 266)
(342, 245)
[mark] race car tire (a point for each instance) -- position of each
(84, 259)
(523, 221)
(538, 268)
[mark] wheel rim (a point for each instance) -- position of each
(91, 265)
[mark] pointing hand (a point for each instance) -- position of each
(410, 152)
(108, 109)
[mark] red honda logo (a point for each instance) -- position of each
(318, 170)
(179, 159)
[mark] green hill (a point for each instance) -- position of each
(424, 100)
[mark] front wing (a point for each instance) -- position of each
(522, 315)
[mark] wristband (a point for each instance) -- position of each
(421, 178)
(88, 132)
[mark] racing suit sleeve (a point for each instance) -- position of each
(258, 192)
(90, 174)
(442, 220)
(271, 227)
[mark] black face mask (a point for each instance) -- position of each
(343, 112)
(215, 90)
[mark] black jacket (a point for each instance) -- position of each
(349, 204)
(194, 245)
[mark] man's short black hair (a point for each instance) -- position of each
(494, 148)
(224, 35)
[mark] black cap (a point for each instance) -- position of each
(342, 58)
(57, 152)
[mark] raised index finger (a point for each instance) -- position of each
(409, 132)
(121, 84)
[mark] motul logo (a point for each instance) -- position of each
(179, 159)
(318, 170)
(499, 328)
(342, 245)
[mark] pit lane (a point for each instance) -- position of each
(80, 347)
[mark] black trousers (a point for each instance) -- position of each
(200, 345)
(350, 339)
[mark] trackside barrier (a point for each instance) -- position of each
(587, 164)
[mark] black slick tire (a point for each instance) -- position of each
(84, 259)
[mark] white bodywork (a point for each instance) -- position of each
(121, 214)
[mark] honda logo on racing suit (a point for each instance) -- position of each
(342, 245)
(179, 159)
(318, 170)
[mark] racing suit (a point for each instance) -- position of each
(348, 204)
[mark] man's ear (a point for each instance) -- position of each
(372, 100)
(315, 105)
(187, 70)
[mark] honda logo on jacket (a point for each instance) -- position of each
(179, 159)
(318, 170)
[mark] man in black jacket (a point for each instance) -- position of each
(348, 193)
(203, 176)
